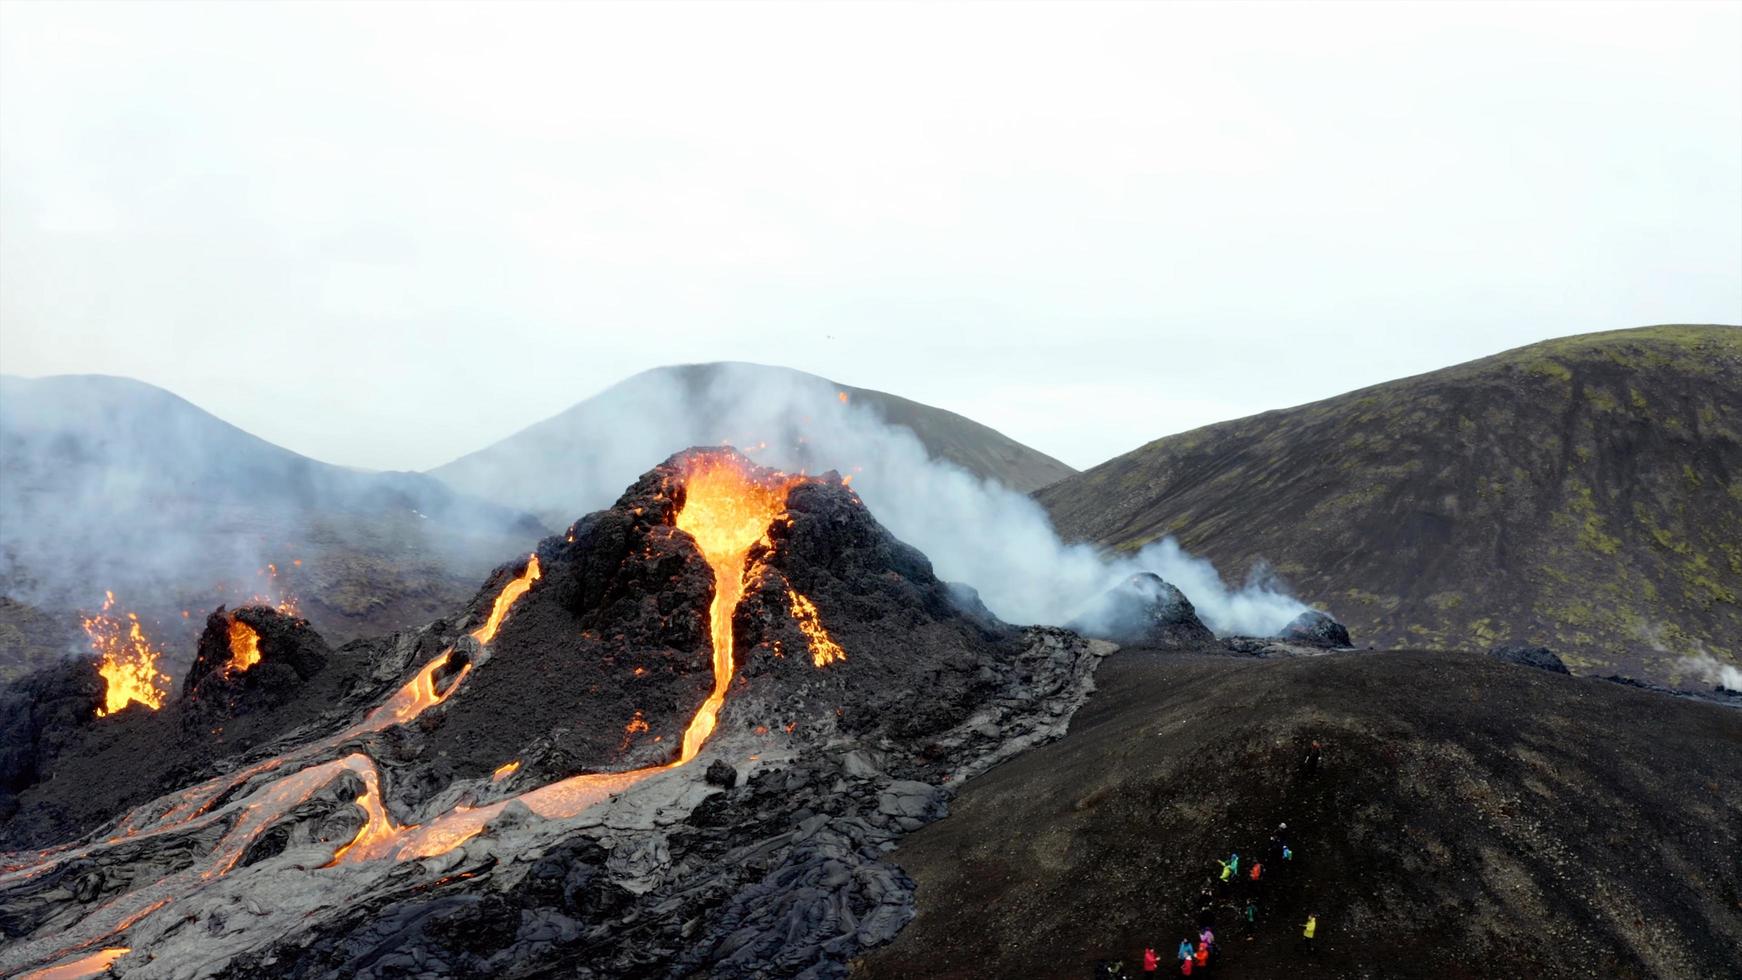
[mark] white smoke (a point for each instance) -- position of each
(1713, 671)
(975, 531)
(110, 483)
(1700, 662)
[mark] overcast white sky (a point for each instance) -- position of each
(388, 235)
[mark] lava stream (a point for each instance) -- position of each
(91, 965)
(189, 805)
(505, 600)
(727, 513)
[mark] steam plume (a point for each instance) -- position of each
(1713, 671)
(975, 531)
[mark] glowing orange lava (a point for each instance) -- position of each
(505, 770)
(410, 700)
(824, 649)
(726, 512)
(377, 827)
(91, 965)
(244, 646)
(505, 599)
(126, 659)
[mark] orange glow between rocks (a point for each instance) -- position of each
(244, 646)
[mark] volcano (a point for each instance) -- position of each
(677, 738)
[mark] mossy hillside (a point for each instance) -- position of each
(1582, 492)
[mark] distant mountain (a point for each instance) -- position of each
(578, 460)
(111, 483)
(1584, 493)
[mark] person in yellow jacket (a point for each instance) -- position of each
(1310, 932)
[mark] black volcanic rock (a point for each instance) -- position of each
(603, 660)
(608, 655)
(88, 770)
(1541, 658)
(720, 773)
(1314, 628)
(41, 715)
(290, 654)
(1144, 610)
(913, 652)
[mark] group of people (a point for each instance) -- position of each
(1246, 882)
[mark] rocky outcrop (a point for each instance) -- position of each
(1541, 658)
(1316, 629)
(249, 659)
(1144, 611)
(43, 714)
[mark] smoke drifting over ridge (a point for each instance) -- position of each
(114, 484)
(110, 483)
(975, 531)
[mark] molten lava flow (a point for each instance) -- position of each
(824, 649)
(92, 965)
(377, 827)
(725, 512)
(126, 660)
(505, 770)
(244, 646)
(505, 599)
(412, 699)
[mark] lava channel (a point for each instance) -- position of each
(726, 512)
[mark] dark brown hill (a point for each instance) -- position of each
(1471, 819)
(1582, 493)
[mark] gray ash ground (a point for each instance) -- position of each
(764, 856)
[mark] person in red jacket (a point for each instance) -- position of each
(1185, 967)
(1203, 954)
(1150, 960)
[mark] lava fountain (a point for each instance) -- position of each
(126, 659)
(244, 646)
(726, 513)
